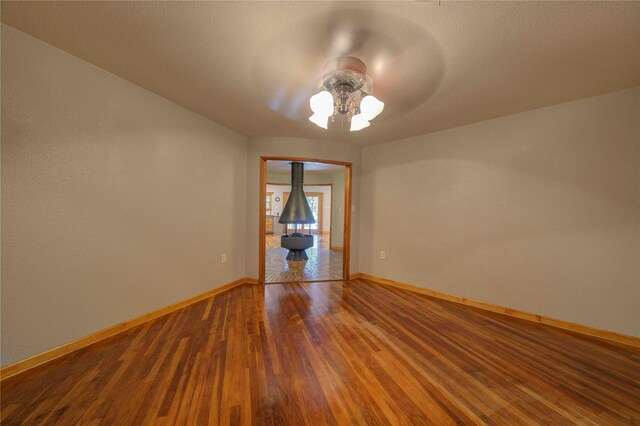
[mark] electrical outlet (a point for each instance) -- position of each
(223, 258)
(383, 255)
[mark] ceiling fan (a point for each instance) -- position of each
(347, 95)
(324, 68)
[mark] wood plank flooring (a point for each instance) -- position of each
(333, 353)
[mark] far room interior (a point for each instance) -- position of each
(320, 213)
(324, 189)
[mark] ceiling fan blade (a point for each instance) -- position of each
(403, 60)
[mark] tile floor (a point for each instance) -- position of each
(323, 263)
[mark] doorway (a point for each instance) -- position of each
(327, 188)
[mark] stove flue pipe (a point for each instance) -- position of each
(297, 209)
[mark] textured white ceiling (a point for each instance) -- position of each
(252, 66)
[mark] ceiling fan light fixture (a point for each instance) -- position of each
(359, 122)
(345, 93)
(370, 107)
(322, 104)
(319, 120)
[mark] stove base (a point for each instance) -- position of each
(297, 255)
(297, 244)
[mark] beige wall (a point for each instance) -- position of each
(337, 180)
(112, 202)
(295, 147)
(538, 211)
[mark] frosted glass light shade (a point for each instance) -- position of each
(358, 122)
(319, 120)
(322, 104)
(370, 107)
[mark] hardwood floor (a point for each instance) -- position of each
(333, 353)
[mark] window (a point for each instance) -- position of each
(313, 201)
(268, 202)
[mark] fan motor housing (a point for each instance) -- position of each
(346, 70)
